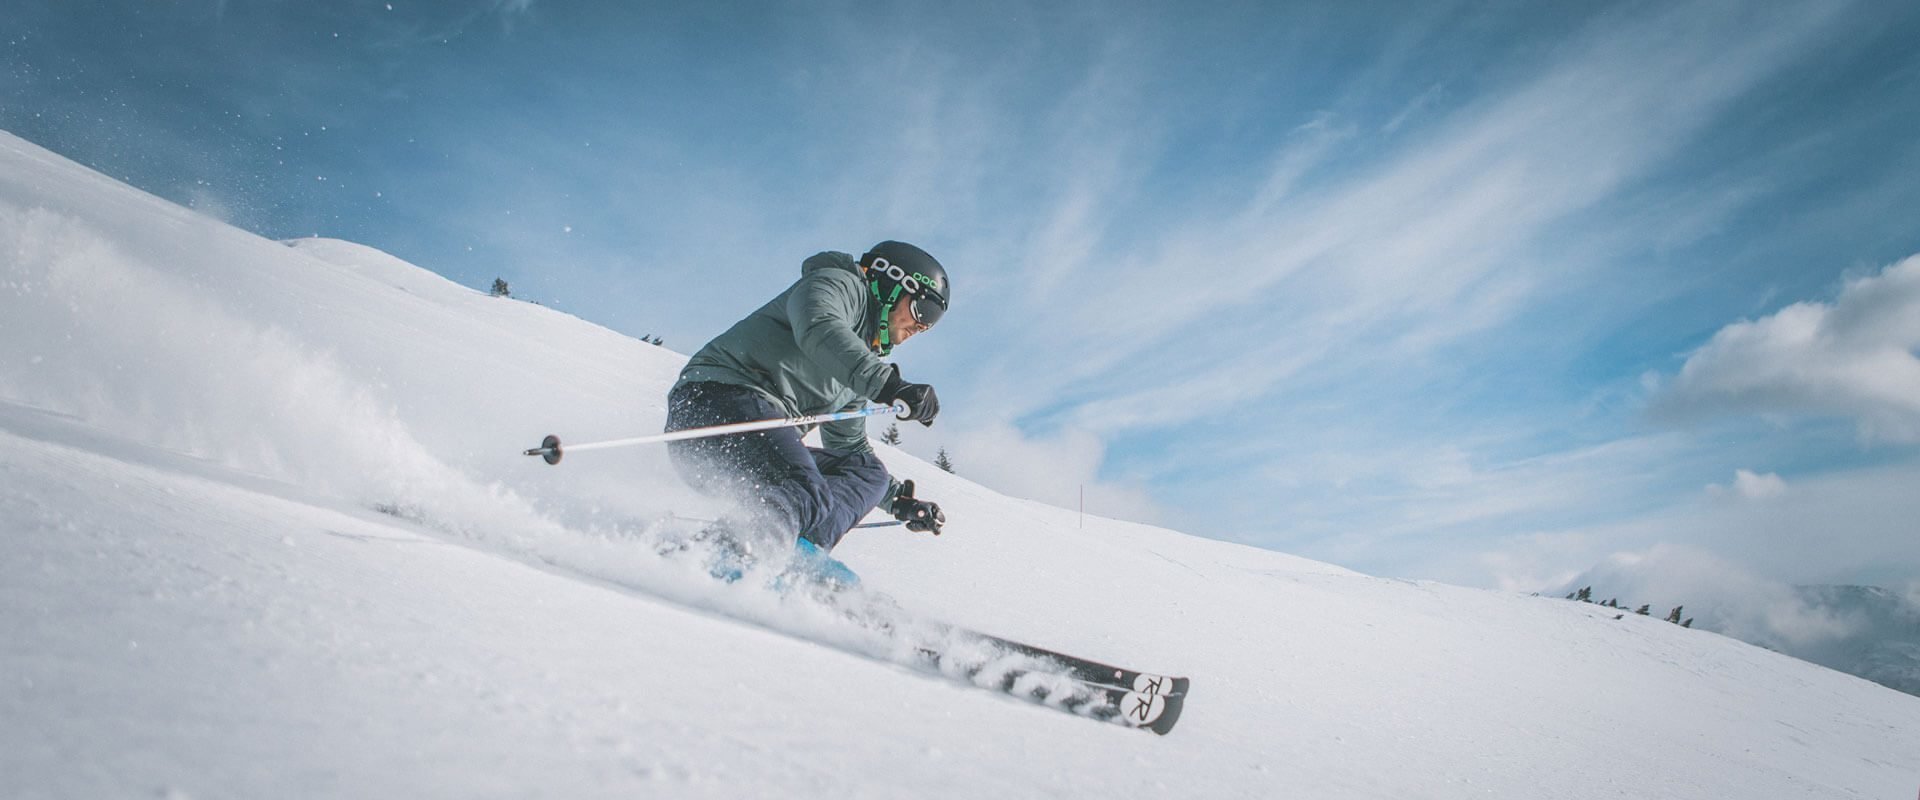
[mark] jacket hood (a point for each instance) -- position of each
(831, 259)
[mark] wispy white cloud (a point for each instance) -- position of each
(1407, 254)
(1452, 512)
(1751, 486)
(1857, 357)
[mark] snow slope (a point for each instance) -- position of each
(265, 531)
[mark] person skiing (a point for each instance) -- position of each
(814, 349)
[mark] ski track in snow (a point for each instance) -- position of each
(198, 597)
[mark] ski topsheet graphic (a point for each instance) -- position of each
(1049, 678)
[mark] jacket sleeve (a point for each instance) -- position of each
(826, 309)
(847, 435)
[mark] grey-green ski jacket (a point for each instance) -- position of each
(807, 349)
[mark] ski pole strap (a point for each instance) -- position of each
(551, 450)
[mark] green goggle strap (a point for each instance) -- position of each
(884, 337)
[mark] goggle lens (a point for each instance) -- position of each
(926, 308)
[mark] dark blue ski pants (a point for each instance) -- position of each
(800, 491)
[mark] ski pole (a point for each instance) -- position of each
(550, 450)
(887, 524)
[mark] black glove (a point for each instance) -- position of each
(920, 515)
(922, 403)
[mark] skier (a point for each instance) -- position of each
(814, 349)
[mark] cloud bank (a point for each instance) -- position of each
(1725, 595)
(1857, 357)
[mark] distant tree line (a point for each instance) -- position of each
(1585, 595)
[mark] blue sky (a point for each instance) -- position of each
(1483, 292)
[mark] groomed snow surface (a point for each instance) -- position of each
(265, 531)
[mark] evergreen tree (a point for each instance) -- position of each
(1644, 609)
(892, 434)
(500, 288)
(1584, 595)
(940, 460)
(1674, 617)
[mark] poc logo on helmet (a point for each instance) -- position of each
(909, 283)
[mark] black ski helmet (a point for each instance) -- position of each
(897, 270)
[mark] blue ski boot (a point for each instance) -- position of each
(813, 565)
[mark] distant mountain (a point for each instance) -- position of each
(1877, 635)
(1865, 631)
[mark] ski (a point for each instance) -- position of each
(1090, 671)
(1147, 710)
(1084, 670)
(1050, 678)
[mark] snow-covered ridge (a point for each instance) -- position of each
(198, 597)
(378, 265)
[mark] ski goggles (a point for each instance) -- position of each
(926, 306)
